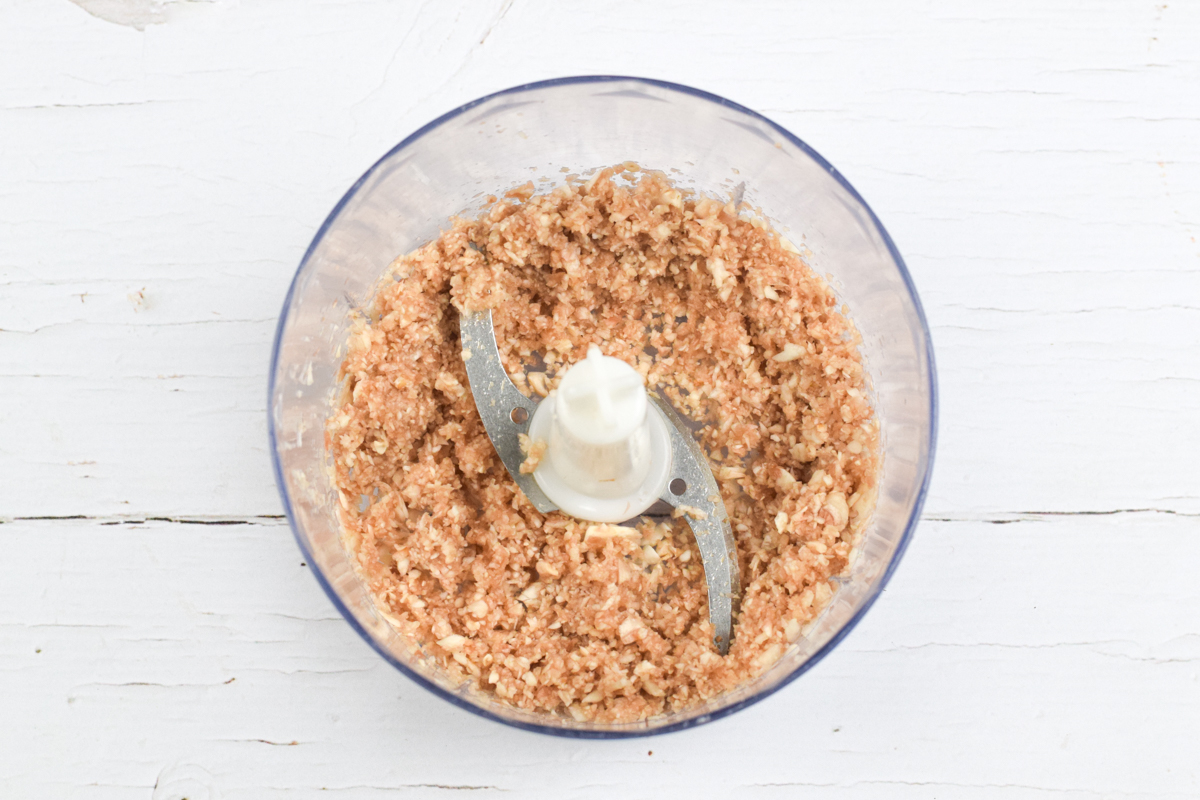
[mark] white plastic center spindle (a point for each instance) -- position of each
(608, 451)
(600, 439)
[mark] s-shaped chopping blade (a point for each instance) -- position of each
(506, 413)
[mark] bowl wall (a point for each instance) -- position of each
(532, 133)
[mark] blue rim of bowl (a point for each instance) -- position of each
(816, 657)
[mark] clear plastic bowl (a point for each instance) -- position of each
(534, 131)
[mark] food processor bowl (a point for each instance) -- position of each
(575, 125)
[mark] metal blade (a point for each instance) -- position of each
(705, 513)
(496, 398)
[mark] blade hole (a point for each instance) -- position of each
(518, 415)
(678, 486)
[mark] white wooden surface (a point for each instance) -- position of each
(163, 165)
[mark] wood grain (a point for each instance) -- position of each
(1035, 163)
(1055, 654)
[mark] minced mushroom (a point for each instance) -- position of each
(726, 320)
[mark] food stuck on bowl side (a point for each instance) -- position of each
(730, 351)
(560, 614)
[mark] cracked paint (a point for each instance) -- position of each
(136, 14)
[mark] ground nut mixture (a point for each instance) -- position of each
(551, 613)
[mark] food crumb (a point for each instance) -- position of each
(727, 321)
(689, 511)
(534, 450)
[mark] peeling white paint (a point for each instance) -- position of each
(135, 14)
(185, 782)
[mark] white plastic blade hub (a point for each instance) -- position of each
(609, 452)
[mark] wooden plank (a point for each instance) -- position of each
(1038, 173)
(1052, 654)
(166, 418)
